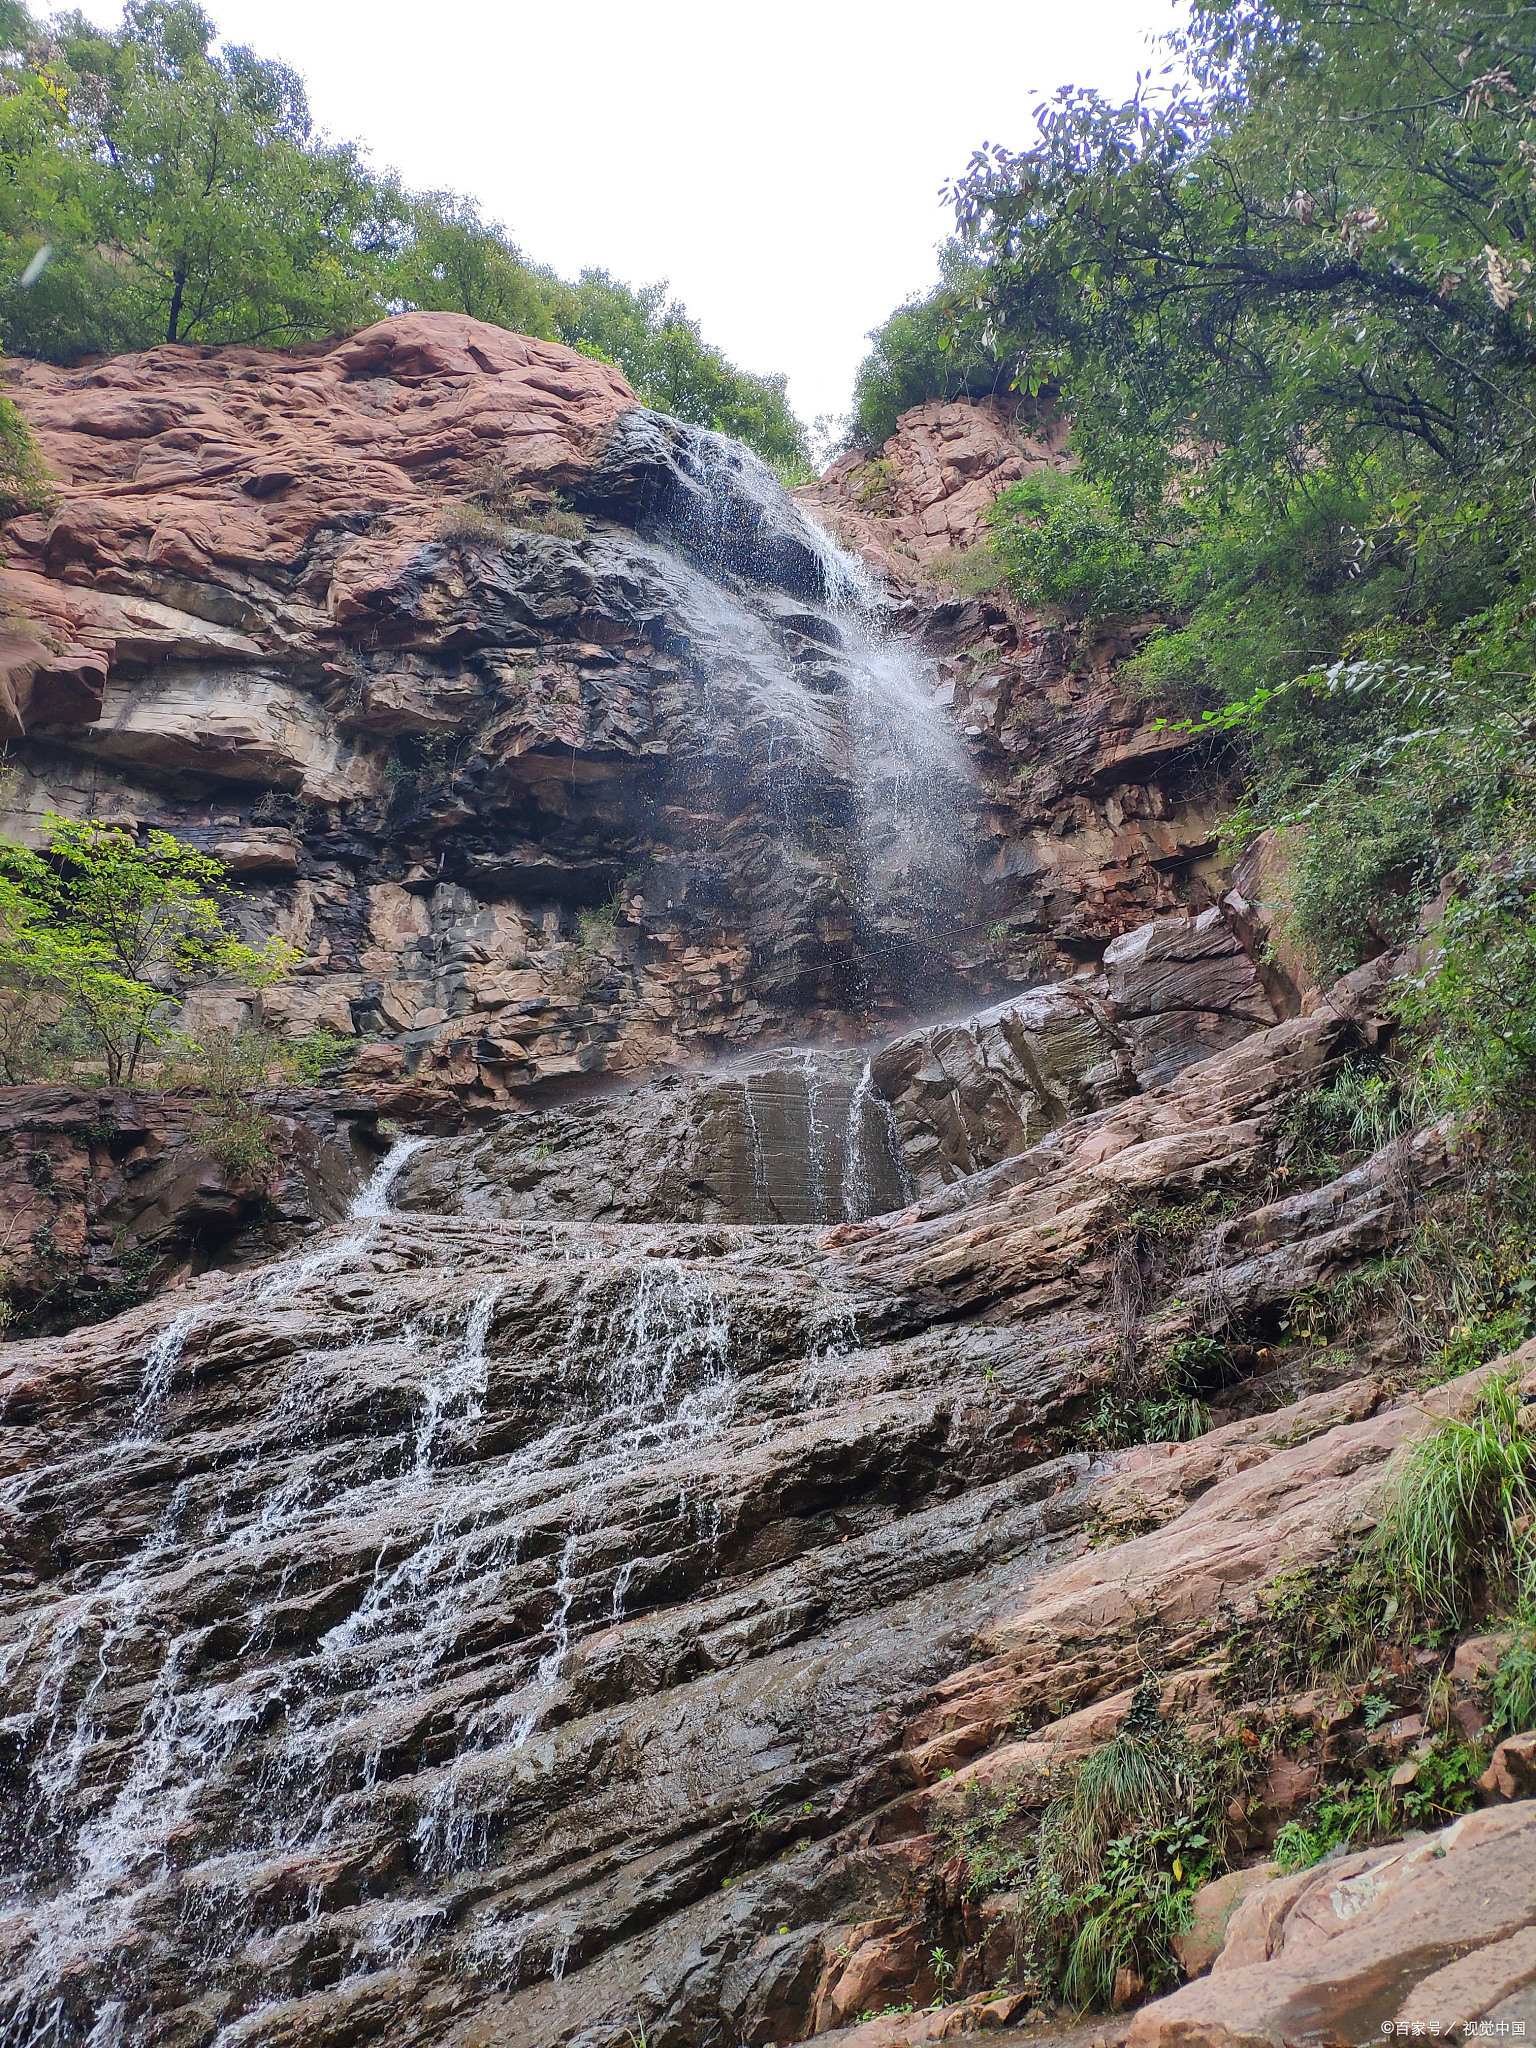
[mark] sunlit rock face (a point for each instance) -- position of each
(671, 783)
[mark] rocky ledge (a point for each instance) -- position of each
(556, 1632)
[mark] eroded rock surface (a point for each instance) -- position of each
(1427, 1936)
(106, 1194)
(539, 1631)
(543, 805)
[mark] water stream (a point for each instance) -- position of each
(365, 1534)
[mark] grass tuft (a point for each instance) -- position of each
(1460, 1512)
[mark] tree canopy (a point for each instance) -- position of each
(100, 937)
(1285, 295)
(156, 186)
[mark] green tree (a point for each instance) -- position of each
(664, 356)
(924, 351)
(105, 933)
(158, 187)
(181, 191)
(453, 261)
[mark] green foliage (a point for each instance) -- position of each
(1120, 1857)
(101, 934)
(1307, 248)
(920, 353)
(230, 1066)
(1358, 1110)
(1365, 1809)
(161, 187)
(661, 352)
(1512, 1689)
(1067, 551)
(1476, 1003)
(1284, 295)
(452, 261)
(1118, 1420)
(314, 1057)
(1324, 1620)
(183, 194)
(25, 485)
(1460, 1512)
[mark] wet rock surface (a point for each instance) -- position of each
(516, 1630)
(670, 783)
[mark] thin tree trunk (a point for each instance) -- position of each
(179, 279)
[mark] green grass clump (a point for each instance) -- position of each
(1458, 1519)
(1120, 1856)
(1512, 1689)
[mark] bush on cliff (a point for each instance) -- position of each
(100, 937)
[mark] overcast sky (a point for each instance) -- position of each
(779, 163)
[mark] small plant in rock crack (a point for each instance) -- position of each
(1120, 1857)
(1330, 1619)
(943, 1970)
(1443, 1784)
(1458, 1524)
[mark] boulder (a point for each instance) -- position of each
(1203, 1940)
(1426, 1935)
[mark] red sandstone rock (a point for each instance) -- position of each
(1512, 1772)
(928, 490)
(1433, 1933)
(212, 461)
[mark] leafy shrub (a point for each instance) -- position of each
(25, 485)
(230, 1066)
(1476, 1004)
(1066, 550)
(1444, 1784)
(924, 350)
(318, 1053)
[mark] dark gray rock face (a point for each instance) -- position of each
(1181, 990)
(539, 805)
(823, 1137)
(967, 1095)
(788, 1138)
(485, 1629)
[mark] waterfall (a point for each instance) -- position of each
(870, 1164)
(870, 710)
(372, 1199)
(316, 1692)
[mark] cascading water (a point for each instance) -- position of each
(864, 707)
(322, 1618)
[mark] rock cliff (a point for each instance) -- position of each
(471, 1633)
(555, 735)
(580, 1593)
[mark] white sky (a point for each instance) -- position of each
(779, 164)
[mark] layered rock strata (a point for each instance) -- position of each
(544, 795)
(552, 1632)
